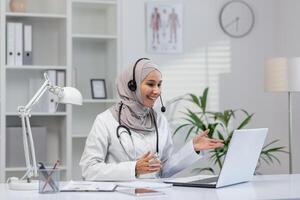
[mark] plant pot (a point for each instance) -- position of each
(18, 5)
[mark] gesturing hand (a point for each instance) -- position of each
(148, 163)
(202, 142)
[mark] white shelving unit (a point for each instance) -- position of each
(80, 37)
(95, 45)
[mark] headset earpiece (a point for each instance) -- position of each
(132, 85)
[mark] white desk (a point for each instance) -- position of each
(262, 187)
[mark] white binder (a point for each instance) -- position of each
(60, 78)
(51, 97)
(19, 44)
(61, 82)
(27, 53)
(34, 85)
(10, 44)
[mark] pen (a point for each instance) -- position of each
(49, 178)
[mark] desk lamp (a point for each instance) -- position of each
(65, 95)
(283, 75)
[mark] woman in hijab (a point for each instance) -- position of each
(131, 140)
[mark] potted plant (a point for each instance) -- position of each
(218, 124)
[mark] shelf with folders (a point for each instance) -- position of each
(49, 135)
(45, 38)
(94, 17)
(23, 86)
(54, 7)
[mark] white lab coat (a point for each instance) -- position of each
(105, 159)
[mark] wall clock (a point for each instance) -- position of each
(236, 18)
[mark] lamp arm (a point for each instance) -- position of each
(47, 85)
(37, 96)
(24, 112)
(26, 147)
(32, 150)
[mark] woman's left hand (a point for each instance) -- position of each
(202, 142)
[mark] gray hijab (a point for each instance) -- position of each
(134, 114)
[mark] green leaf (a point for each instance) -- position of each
(178, 128)
(195, 100)
(245, 122)
(204, 99)
(244, 111)
(266, 161)
(273, 142)
(220, 135)
(197, 121)
(189, 132)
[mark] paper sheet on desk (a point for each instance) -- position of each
(88, 186)
(144, 184)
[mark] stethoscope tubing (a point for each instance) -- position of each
(120, 126)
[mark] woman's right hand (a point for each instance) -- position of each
(148, 163)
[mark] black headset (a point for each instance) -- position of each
(133, 86)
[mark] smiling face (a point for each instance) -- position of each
(150, 88)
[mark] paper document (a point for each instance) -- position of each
(144, 184)
(88, 186)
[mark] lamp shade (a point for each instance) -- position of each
(282, 74)
(70, 96)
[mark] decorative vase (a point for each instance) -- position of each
(18, 5)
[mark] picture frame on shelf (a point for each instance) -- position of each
(98, 88)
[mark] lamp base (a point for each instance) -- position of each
(16, 184)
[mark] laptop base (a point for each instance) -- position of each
(203, 183)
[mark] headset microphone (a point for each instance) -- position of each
(163, 108)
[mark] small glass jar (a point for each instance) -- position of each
(18, 5)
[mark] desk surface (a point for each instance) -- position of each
(261, 187)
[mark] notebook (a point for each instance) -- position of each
(240, 161)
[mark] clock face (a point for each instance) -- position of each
(236, 18)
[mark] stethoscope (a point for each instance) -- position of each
(129, 133)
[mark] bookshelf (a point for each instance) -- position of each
(80, 37)
(95, 46)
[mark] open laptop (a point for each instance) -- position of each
(240, 161)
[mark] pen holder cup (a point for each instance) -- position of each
(49, 180)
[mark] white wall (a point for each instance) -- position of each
(237, 81)
(287, 42)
